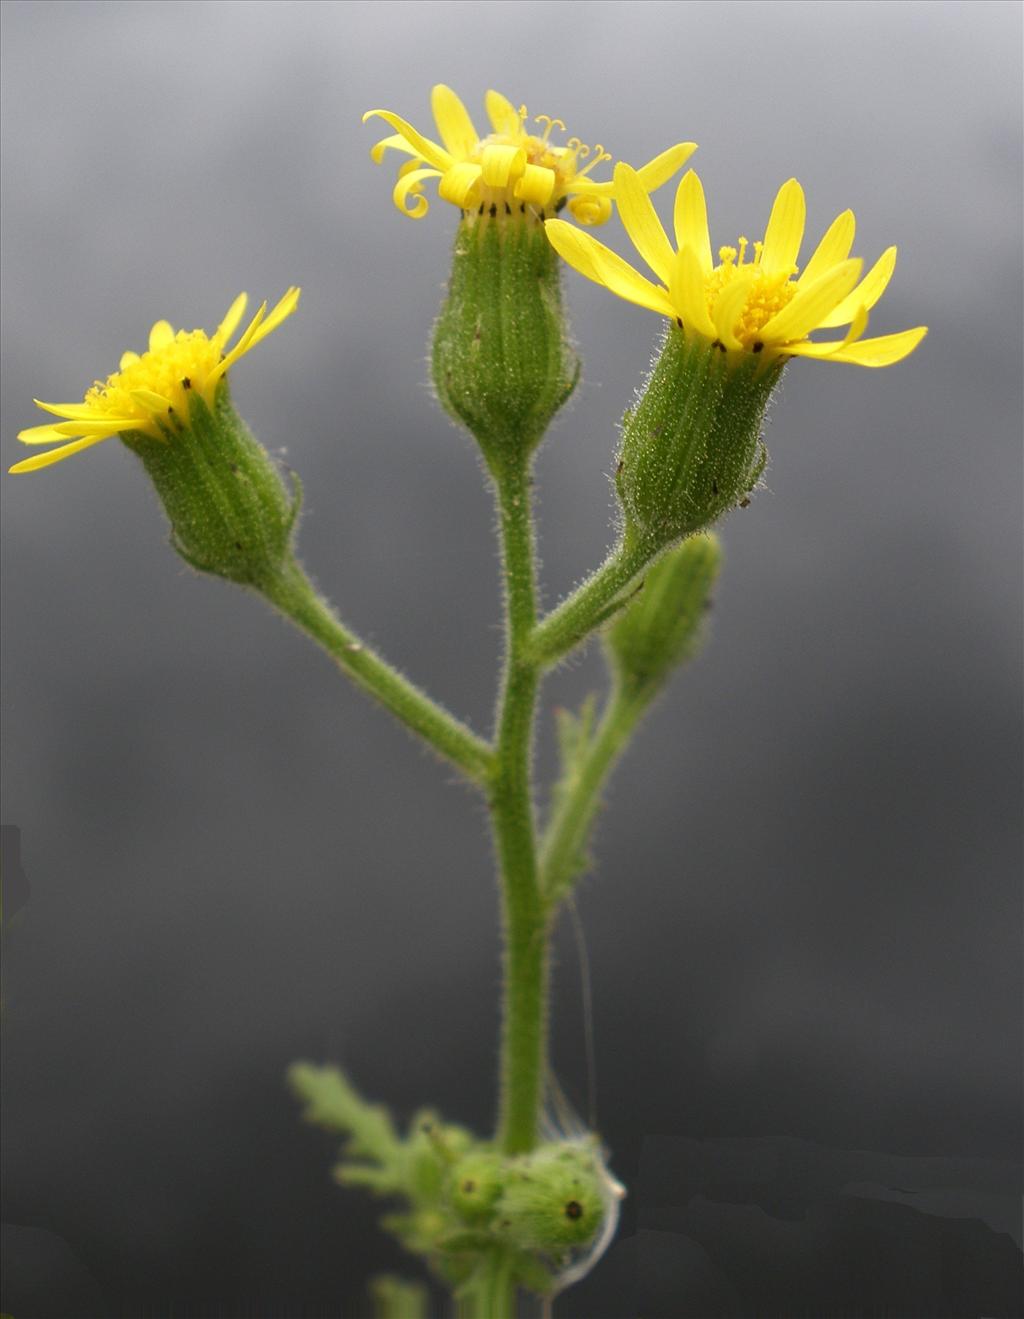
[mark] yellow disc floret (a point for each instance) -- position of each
(515, 170)
(765, 294)
(150, 392)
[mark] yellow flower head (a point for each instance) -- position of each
(763, 305)
(149, 392)
(510, 170)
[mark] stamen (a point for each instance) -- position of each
(727, 255)
(758, 249)
(743, 250)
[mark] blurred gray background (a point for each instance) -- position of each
(805, 920)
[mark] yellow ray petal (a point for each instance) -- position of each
(729, 304)
(71, 411)
(882, 351)
(461, 184)
(662, 167)
(811, 304)
(127, 359)
(453, 121)
(420, 145)
(48, 434)
(589, 209)
(691, 220)
(502, 113)
(536, 185)
(641, 222)
(688, 296)
(286, 306)
(867, 292)
(785, 230)
(232, 316)
(38, 460)
(604, 266)
(822, 350)
(396, 142)
(240, 348)
(833, 248)
(151, 401)
(654, 173)
(408, 186)
(499, 164)
(72, 429)
(160, 336)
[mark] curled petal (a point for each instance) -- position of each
(589, 209)
(461, 185)
(499, 164)
(396, 142)
(535, 185)
(418, 144)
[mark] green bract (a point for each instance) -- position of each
(502, 362)
(691, 448)
(229, 510)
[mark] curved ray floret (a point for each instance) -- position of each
(515, 168)
(765, 304)
(151, 389)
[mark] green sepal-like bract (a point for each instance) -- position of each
(691, 448)
(502, 362)
(661, 627)
(229, 510)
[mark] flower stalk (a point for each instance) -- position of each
(291, 592)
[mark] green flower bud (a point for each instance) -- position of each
(477, 1182)
(502, 362)
(555, 1199)
(229, 510)
(662, 626)
(692, 448)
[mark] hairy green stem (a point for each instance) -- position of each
(491, 1292)
(295, 596)
(566, 835)
(524, 1024)
(593, 602)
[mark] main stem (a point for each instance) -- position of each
(524, 1025)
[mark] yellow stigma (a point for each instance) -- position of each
(150, 392)
(767, 294)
